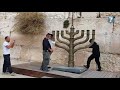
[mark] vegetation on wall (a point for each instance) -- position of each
(66, 24)
(30, 22)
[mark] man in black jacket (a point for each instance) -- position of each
(47, 50)
(95, 54)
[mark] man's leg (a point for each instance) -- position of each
(89, 60)
(46, 58)
(5, 64)
(9, 65)
(43, 66)
(49, 60)
(98, 63)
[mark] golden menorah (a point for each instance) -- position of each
(71, 39)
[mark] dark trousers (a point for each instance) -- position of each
(96, 60)
(7, 64)
(46, 60)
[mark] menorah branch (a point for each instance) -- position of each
(53, 32)
(67, 32)
(71, 46)
(81, 36)
(87, 46)
(63, 36)
(61, 40)
(87, 38)
(77, 32)
(58, 45)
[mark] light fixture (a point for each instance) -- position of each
(111, 19)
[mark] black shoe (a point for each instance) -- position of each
(85, 66)
(99, 70)
(49, 67)
(46, 70)
(41, 68)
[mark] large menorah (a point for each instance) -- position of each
(71, 45)
(71, 39)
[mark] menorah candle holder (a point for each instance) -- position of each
(71, 42)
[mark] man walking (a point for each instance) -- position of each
(6, 54)
(95, 54)
(47, 50)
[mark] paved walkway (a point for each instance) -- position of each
(34, 68)
(14, 62)
(86, 74)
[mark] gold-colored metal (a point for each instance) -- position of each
(71, 41)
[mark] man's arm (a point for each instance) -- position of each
(92, 46)
(11, 45)
(49, 47)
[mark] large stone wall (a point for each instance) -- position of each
(29, 48)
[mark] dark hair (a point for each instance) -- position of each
(49, 34)
(6, 37)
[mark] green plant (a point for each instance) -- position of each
(66, 24)
(30, 22)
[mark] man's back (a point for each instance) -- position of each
(95, 50)
(5, 49)
(46, 44)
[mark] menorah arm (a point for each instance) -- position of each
(81, 36)
(77, 32)
(53, 32)
(87, 46)
(87, 38)
(61, 40)
(63, 36)
(67, 32)
(56, 44)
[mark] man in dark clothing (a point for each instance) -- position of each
(46, 52)
(95, 54)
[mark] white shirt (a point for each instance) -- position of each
(52, 43)
(5, 49)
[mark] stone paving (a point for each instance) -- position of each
(87, 74)
(13, 62)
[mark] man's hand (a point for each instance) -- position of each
(12, 43)
(51, 50)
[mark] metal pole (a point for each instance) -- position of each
(80, 14)
(113, 25)
(99, 16)
(113, 22)
(72, 21)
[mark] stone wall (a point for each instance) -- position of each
(29, 48)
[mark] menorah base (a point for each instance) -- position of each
(77, 70)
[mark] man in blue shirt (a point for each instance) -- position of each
(47, 50)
